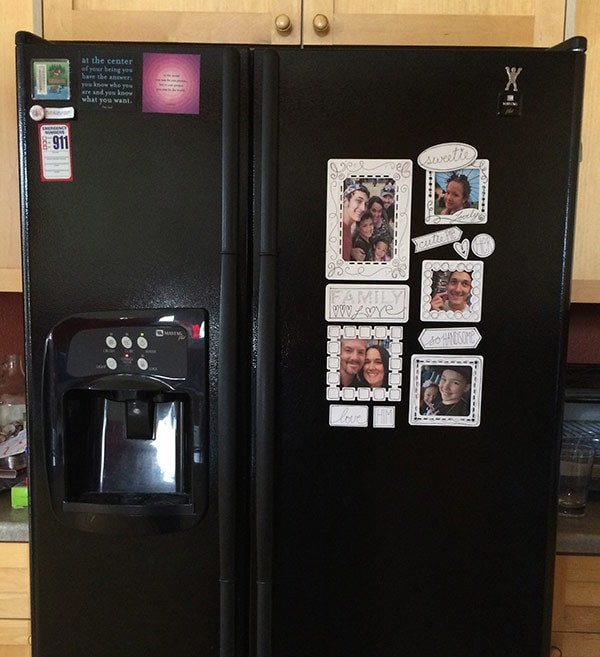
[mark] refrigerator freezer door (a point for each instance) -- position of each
(134, 182)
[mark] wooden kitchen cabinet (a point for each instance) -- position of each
(15, 16)
(15, 627)
(586, 266)
(434, 22)
(576, 614)
(196, 21)
(323, 22)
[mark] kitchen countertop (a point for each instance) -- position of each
(575, 535)
(581, 535)
(14, 523)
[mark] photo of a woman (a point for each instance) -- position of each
(375, 371)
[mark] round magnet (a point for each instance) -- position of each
(37, 112)
(483, 245)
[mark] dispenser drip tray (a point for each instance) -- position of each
(136, 499)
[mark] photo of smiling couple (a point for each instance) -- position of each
(364, 363)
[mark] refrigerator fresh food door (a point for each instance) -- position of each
(388, 526)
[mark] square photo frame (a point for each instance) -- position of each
(445, 390)
(364, 363)
(451, 290)
(458, 197)
(368, 219)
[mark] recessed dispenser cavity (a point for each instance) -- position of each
(125, 415)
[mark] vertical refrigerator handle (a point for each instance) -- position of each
(266, 352)
(228, 398)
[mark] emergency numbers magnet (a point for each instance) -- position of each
(55, 152)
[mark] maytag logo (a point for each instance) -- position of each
(161, 333)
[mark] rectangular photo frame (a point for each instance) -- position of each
(368, 219)
(445, 390)
(458, 197)
(451, 290)
(364, 363)
(379, 303)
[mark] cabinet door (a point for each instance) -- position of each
(15, 16)
(576, 614)
(15, 629)
(586, 266)
(197, 21)
(434, 22)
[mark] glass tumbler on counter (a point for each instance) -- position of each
(576, 460)
(12, 397)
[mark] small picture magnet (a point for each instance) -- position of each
(50, 79)
(445, 390)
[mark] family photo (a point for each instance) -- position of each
(368, 219)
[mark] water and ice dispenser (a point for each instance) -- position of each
(125, 414)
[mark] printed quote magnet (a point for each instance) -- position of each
(171, 83)
(107, 80)
(368, 219)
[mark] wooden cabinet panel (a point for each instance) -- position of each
(15, 628)
(435, 22)
(15, 638)
(576, 613)
(586, 267)
(15, 16)
(572, 644)
(197, 21)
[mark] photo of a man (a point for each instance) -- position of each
(457, 294)
(355, 203)
(352, 358)
(452, 290)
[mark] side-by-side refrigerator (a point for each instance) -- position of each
(295, 326)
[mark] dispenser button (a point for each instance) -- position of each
(126, 342)
(142, 363)
(142, 343)
(111, 363)
(111, 343)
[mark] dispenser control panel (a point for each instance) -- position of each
(153, 350)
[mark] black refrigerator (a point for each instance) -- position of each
(295, 326)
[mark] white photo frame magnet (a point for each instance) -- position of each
(451, 290)
(368, 219)
(445, 390)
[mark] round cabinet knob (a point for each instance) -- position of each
(283, 23)
(320, 23)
